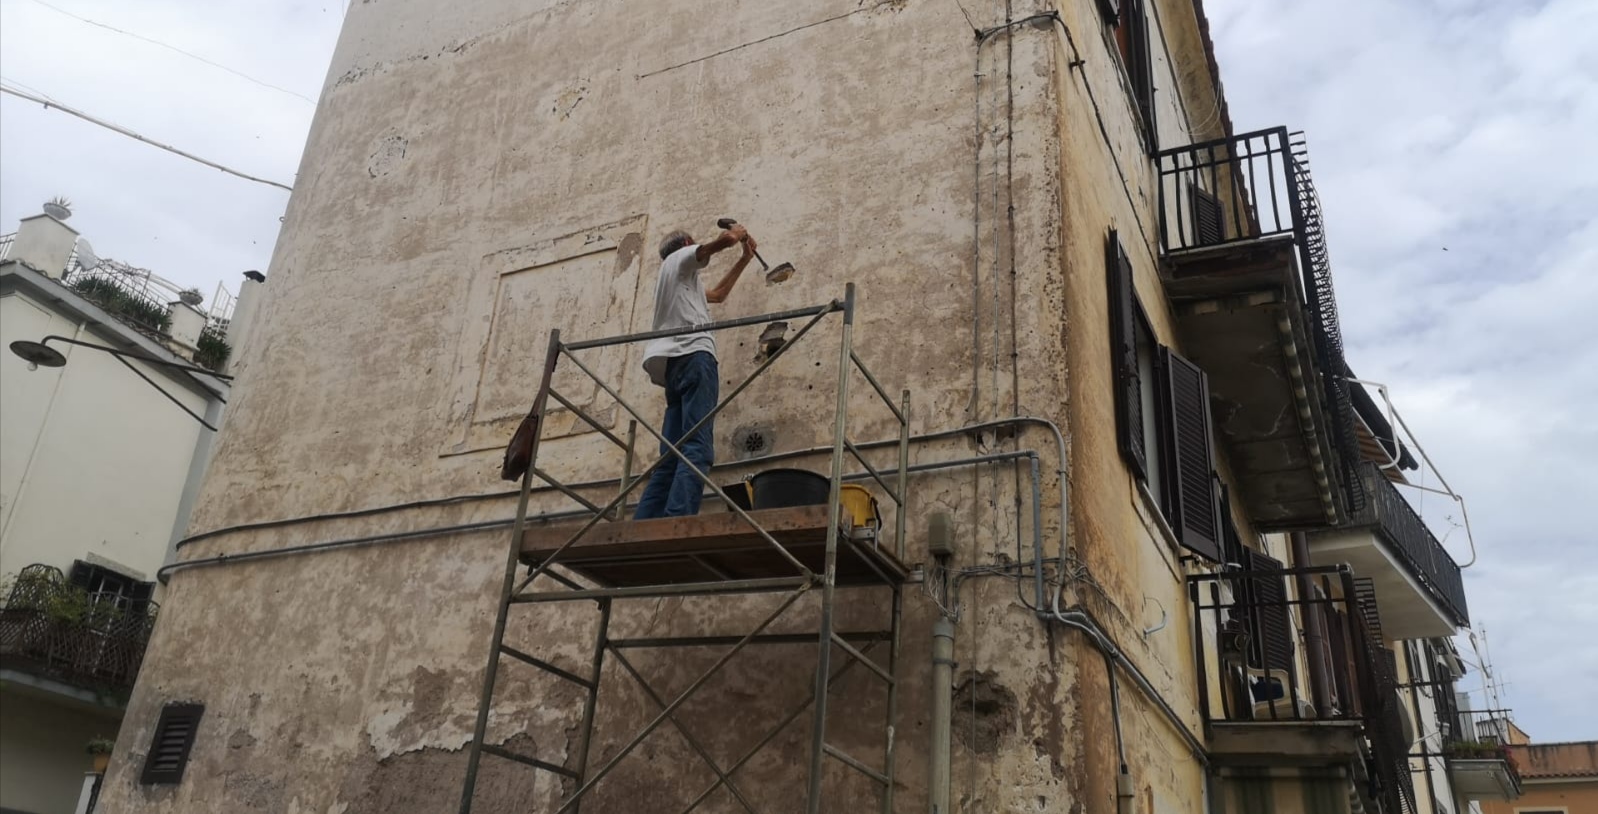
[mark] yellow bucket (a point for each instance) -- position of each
(860, 505)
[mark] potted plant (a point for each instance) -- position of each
(100, 750)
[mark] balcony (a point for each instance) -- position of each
(1417, 583)
(1480, 766)
(58, 632)
(1292, 682)
(1245, 264)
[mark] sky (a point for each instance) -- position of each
(1452, 142)
(189, 223)
(1454, 146)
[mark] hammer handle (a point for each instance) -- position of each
(728, 223)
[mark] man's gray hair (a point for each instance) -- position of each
(674, 241)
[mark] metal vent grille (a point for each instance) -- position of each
(169, 749)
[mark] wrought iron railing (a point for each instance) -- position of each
(51, 628)
(1412, 543)
(1267, 668)
(1255, 619)
(1253, 186)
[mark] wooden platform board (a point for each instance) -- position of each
(708, 548)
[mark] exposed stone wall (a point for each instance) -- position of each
(480, 174)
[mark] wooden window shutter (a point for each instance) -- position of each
(1273, 625)
(1123, 355)
(1192, 491)
(1207, 218)
(169, 749)
(1133, 35)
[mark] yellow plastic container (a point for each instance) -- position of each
(860, 505)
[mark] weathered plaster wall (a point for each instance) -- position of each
(479, 175)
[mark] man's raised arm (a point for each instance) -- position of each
(724, 241)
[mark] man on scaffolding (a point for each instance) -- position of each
(685, 365)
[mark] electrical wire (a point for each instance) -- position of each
(117, 128)
(170, 47)
(967, 15)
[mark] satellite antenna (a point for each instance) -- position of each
(87, 259)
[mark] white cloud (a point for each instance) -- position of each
(1451, 143)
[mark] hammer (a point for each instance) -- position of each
(773, 275)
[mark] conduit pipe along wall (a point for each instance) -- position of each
(1314, 627)
(938, 774)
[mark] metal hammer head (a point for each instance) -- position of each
(780, 273)
(726, 223)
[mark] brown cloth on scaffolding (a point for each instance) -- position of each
(520, 452)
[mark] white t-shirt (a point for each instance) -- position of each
(679, 303)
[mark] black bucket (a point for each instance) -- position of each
(782, 488)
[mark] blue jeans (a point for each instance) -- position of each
(693, 387)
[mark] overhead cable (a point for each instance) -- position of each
(170, 47)
(117, 128)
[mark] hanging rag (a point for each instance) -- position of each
(519, 454)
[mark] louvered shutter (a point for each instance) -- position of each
(1207, 218)
(1134, 20)
(169, 750)
(1123, 356)
(1273, 625)
(1191, 480)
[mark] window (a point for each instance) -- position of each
(169, 749)
(1128, 21)
(105, 585)
(1162, 412)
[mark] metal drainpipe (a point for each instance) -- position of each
(942, 714)
(1314, 627)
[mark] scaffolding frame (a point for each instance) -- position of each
(855, 645)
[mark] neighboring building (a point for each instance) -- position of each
(98, 469)
(1559, 778)
(1193, 597)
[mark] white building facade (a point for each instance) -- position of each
(97, 462)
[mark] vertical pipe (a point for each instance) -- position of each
(1037, 532)
(480, 729)
(904, 476)
(942, 714)
(893, 699)
(601, 643)
(829, 576)
(1314, 627)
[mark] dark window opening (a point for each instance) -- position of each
(106, 585)
(169, 749)
(1162, 415)
(1130, 23)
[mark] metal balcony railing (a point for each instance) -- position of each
(53, 629)
(1412, 543)
(1264, 668)
(1253, 186)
